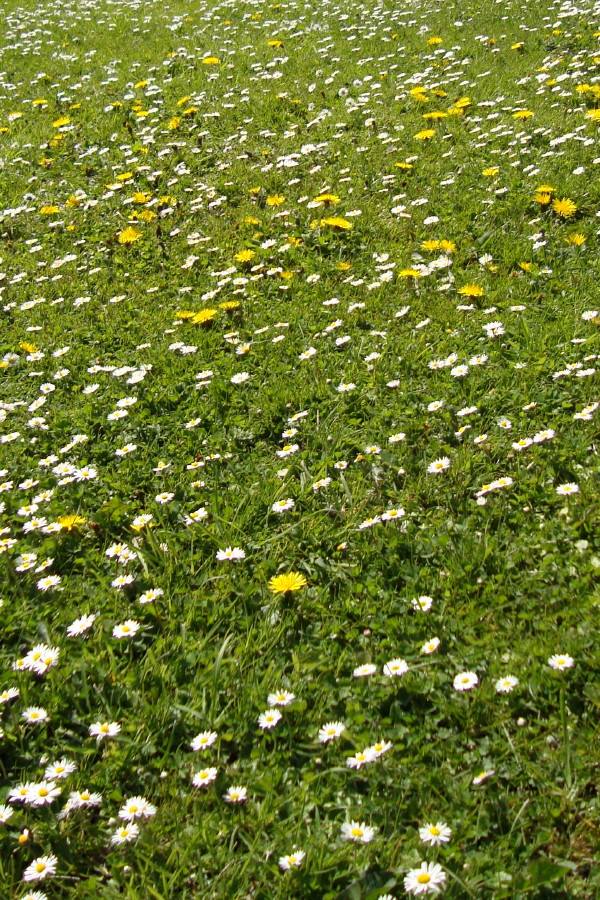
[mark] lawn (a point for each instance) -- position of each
(298, 450)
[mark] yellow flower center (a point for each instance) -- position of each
(424, 878)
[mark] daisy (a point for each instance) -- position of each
(357, 832)
(230, 553)
(430, 646)
(438, 465)
(43, 793)
(125, 834)
(204, 740)
(204, 777)
(136, 808)
(361, 758)
(235, 794)
(330, 731)
(561, 661)
(395, 667)
(281, 698)
(436, 834)
(5, 813)
(568, 488)
(269, 719)
(82, 625)
(291, 860)
(281, 506)
(42, 867)
(422, 603)
(126, 629)
(483, 776)
(364, 670)
(60, 769)
(465, 681)
(428, 879)
(150, 596)
(34, 715)
(102, 730)
(506, 684)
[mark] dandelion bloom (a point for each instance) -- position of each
(287, 582)
(564, 208)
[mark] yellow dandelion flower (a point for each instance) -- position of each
(230, 305)
(250, 220)
(576, 239)
(63, 120)
(174, 123)
(28, 347)
(425, 135)
(147, 215)
(49, 210)
(185, 314)
(141, 84)
(522, 114)
(564, 208)
(129, 235)
(542, 197)
(39, 102)
(435, 115)
(471, 290)
(245, 256)
(490, 171)
(593, 114)
(275, 200)
(275, 42)
(287, 583)
(405, 166)
(343, 266)
(204, 317)
(327, 199)
(125, 176)
(409, 273)
(211, 61)
(71, 522)
(434, 41)
(183, 100)
(337, 223)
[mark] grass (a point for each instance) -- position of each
(133, 174)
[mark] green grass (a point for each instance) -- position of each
(513, 580)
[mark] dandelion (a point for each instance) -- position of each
(564, 208)
(287, 583)
(129, 235)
